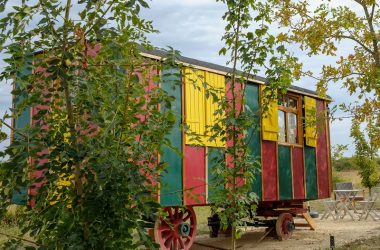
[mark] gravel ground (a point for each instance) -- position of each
(348, 235)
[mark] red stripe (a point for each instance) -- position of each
(269, 169)
(298, 173)
(322, 157)
(238, 90)
(194, 175)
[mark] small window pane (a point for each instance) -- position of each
(292, 103)
(292, 128)
(282, 101)
(281, 126)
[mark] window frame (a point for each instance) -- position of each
(298, 112)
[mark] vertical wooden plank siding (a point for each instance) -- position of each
(171, 181)
(253, 137)
(327, 123)
(216, 85)
(270, 119)
(194, 104)
(298, 173)
(212, 157)
(269, 170)
(322, 155)
(311, 173)
(285, 173)
(238, 95)
(22, 121)
(310, 121)
(194, 175)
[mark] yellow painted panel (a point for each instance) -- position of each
(216, 84)
(194, 105)
(270, 120)
(310, 121)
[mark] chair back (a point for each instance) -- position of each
(344, 186)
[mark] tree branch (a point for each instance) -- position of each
(357, 41)
(2, 122)
(373, 11)
(99, 19)
(373, 35)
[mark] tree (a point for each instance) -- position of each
(97, 125)
(337, 153)
(320, 29)
(248, 43)
(366, 153)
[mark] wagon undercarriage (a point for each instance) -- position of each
(177, 227)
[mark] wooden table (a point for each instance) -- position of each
(345, 199)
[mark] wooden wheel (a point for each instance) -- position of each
(284, 226)
(177, 229)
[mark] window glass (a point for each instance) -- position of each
(292, 128)
(281, 126)
(292, 103)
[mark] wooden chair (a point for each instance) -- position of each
(368, 206)
(349, 186)
(330, 209)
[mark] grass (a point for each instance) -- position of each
(9, 225)
(202, 213)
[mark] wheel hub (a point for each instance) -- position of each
(184, 229)
(290, 226)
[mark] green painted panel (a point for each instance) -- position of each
(213, 156)
(20, 196)
(171, 178)
(23, 119)
(311, 173)
(285, 173)
(253, 137)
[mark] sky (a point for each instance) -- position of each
(195, 28)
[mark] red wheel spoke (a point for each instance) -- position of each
(176, 212)
(170, 213)
(175, 245)
(165, 227)
(169, 241)
(182, 245)
(187, 217)
(188, 238)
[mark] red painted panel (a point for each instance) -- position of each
(194, 175)
(322, 156)
(298, 173)
(269, 170)
(238, 90)
(146, 78)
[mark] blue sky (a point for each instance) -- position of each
(195, 27)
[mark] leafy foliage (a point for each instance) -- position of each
(366, 154)
(320, 29)
(90, 158)
(250, 45)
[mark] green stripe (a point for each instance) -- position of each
(253, 138)
(20, 196)
(311, 173)
(171, 178)
(285, 173)
(213, 158)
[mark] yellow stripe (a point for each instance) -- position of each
(310, 121)
(270, 119)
